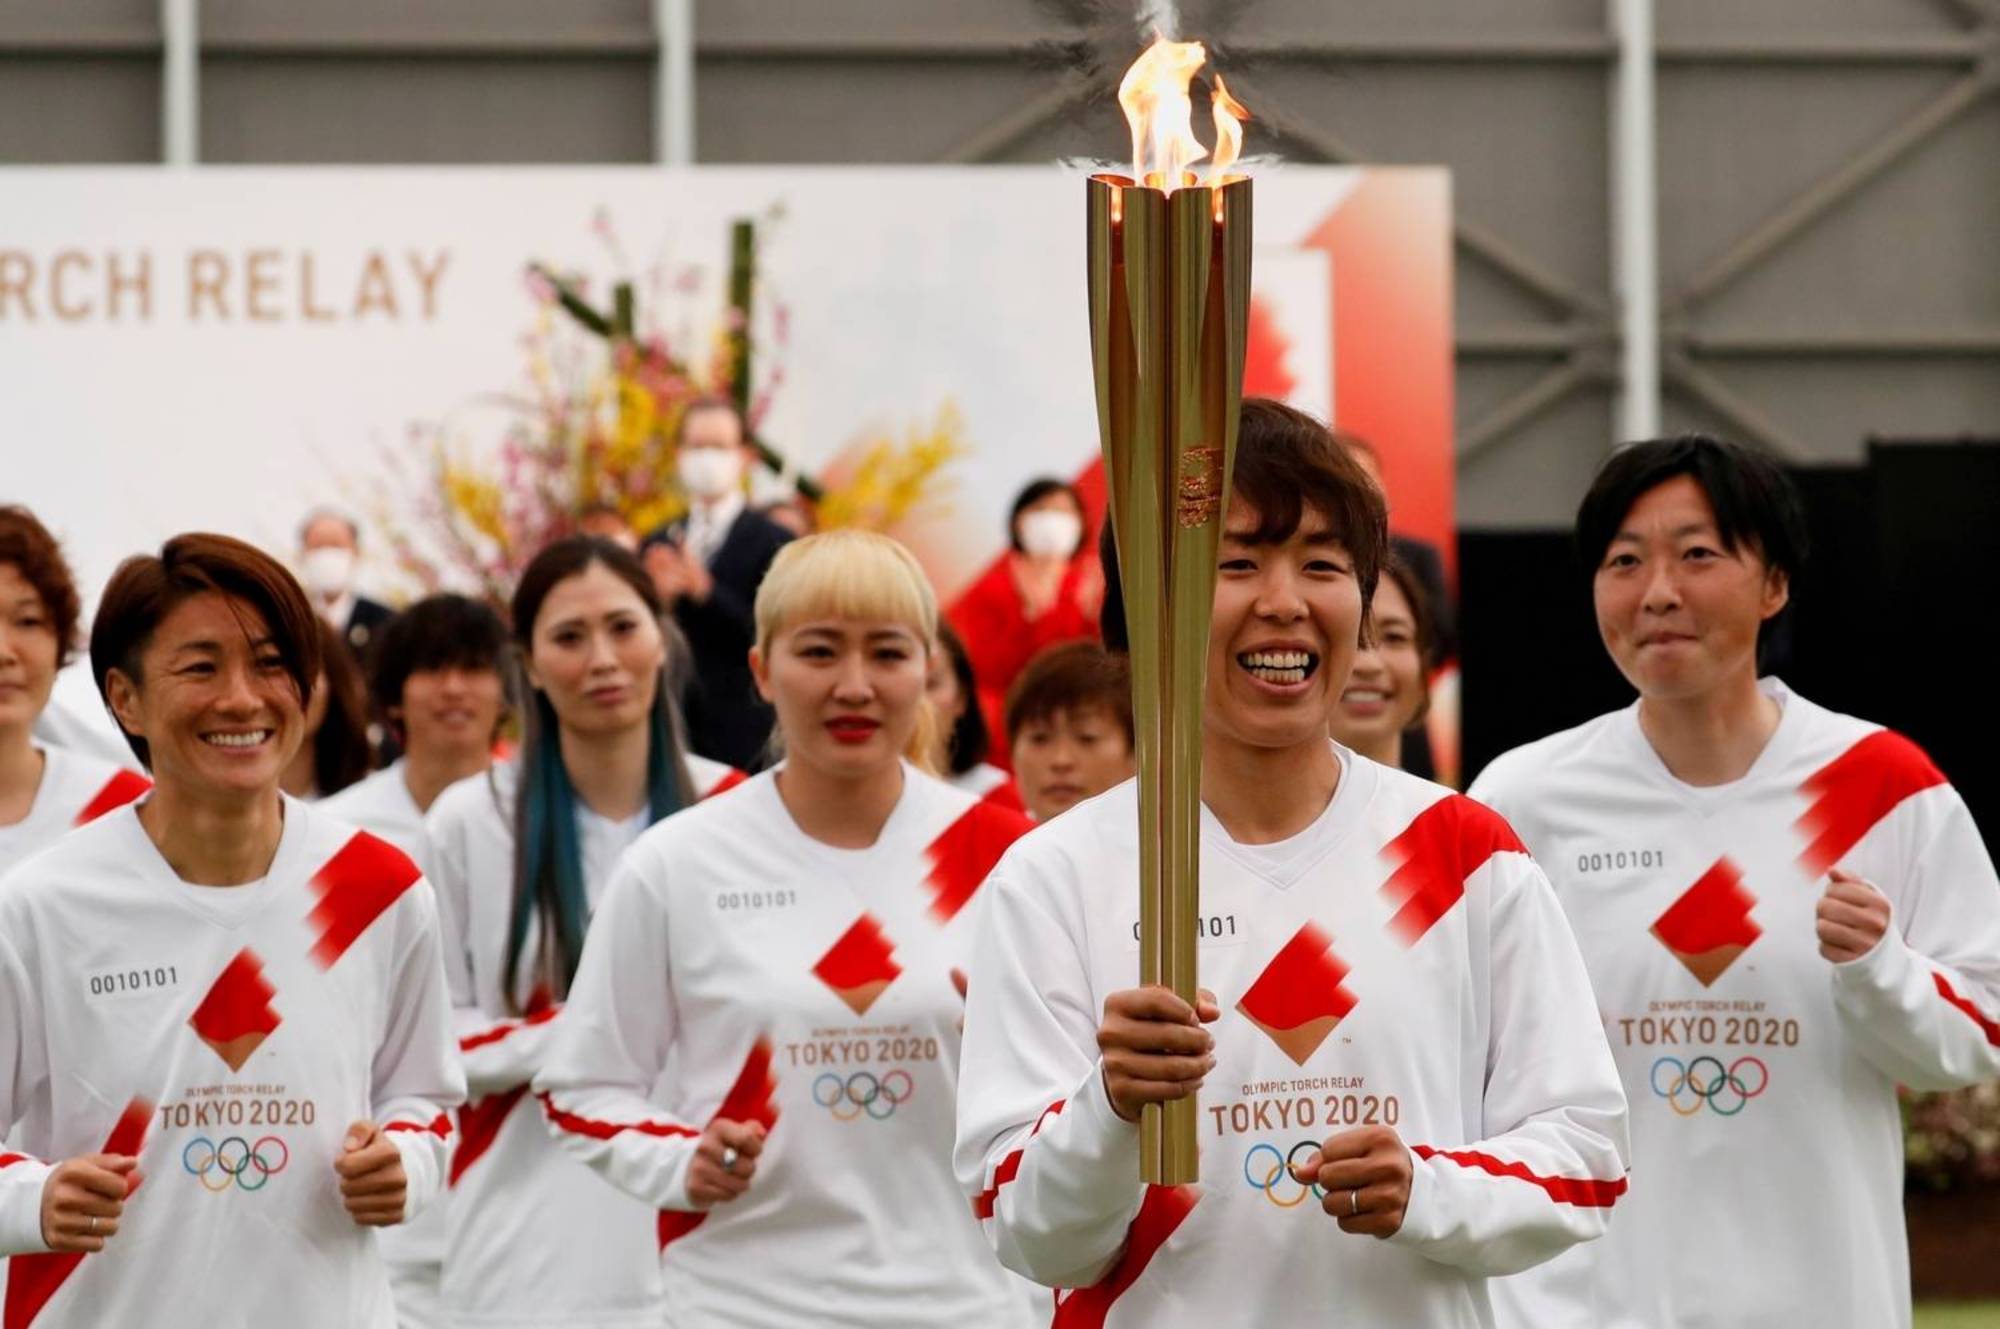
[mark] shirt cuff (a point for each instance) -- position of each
(21, 1185)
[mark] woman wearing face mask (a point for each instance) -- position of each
(706, 568)
(1045, 590)
(44, 789)
(521, 856)
(1388, 690)
(790, 950)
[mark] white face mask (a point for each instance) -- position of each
(709, 473)
(1050, 534)
(328, 570)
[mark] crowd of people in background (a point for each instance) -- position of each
(778, 962)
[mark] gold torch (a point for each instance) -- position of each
(1169, 315)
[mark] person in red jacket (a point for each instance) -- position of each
(1045, 590)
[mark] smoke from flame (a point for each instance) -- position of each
(1160, 111)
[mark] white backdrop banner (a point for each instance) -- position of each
(224, 348)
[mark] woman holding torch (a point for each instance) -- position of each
(1403, 1043)
(785, 957)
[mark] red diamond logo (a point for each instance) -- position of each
(1710, 925)
(236, 1016)
(859, 965)
(1298, 1000)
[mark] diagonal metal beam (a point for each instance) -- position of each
(1474, 237)
(989, 141)
(1690, 378)
(1548, 391)
(1826, 193)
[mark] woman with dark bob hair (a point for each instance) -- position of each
(218, 987)
(45, 789)
(522, 855)
(1045, 589)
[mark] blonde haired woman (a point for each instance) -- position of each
(790, 946)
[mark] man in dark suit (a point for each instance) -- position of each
(329, 544)
(708, 566)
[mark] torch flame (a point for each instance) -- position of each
(1160, 111)
(1229, 117)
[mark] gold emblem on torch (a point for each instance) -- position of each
(1169, 319)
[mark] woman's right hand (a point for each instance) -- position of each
(83, 1199)
(1155, 1049)
(708, 1181)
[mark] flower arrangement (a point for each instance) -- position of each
(592, 430)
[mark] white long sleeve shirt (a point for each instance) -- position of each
(383, 806)
(227, 1036)
(77, 788)
(534, 1240)
(779, 979)
(1767, 1146)
(1400, 962)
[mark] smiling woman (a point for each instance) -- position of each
(261, 931)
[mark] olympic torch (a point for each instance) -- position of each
(1169, 315)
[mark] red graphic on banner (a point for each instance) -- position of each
(119, 790)
(1265, 373)
(965, 853)
(860, 965)
(1298, 1000)
(33, 1279)
(236, 1016)
(1448, 842)
(1710, 925)
(355, 888)
(1855, 790)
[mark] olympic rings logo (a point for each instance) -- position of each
(235, 1162)
(1276, 1174)
(1705, 1080)
(878, 1096)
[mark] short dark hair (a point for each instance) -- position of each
(1071, 677)
(341, 751)
(969, 742)
(147, 587)
(1756, 504)
(1032, 493)
(437, 632)
(1287, 464)
(713, 401)
(27, 544)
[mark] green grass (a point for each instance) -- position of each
(1959, 1315)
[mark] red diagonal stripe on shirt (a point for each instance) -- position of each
(1010, 1167)
(752, 1098)
(605, 1130)
(8, 1160)
(1978, 1017)
(479, 1126)
(1583, 1192)
(1855, 790)
(1160, 1213)
(487, 1037)
(119, 790)
(355, 888)
(440, 1126)
(724, 782)
(1448, 842)
(961, 858)
(33, 1279)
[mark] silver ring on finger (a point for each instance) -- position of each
(93, 1225)
(729, 1157)
(1354, 1204)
